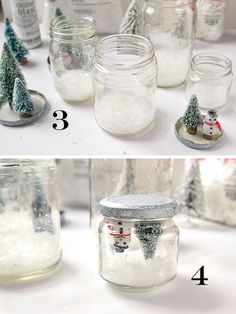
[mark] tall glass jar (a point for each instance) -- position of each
(29, 219)
(71, 52)
(170, 25)
(210, 78)
(138, 241)
(126, 176)
(125, 82)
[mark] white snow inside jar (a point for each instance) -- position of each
(29, 219)
(125, 84)
(71, 52)
(138, 241)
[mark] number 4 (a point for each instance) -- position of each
(201, 278)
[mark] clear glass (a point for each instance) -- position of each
(170, 25)
(125, 83)
(126, 176)
(29, 219)
(138, 254)
(71, 52)
(210, 78)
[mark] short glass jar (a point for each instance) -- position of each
(210, 78)
(170, 25)
(29, 219)
(124, 71)
(71, 52)
(138, 241)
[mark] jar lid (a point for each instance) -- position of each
(138, 206)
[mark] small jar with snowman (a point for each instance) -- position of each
(71, 53)
(138, 241)
(211, 125)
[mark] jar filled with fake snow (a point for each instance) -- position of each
(210, 78)
(169, 24)
(138, 241)
(29, 219)
(210, 19)
(124, 72)
(71, 52)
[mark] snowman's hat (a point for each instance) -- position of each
(213, 113)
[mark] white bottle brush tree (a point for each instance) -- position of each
(193, 199)
(130, 23)
(192, 117)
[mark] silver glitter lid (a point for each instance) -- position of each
(138, 206)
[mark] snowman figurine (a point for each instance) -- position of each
(210, 125)
(121, 235)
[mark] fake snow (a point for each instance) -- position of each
(22, 250)
(124, 114)
(172, 66)
(132, 270)
(75, 85)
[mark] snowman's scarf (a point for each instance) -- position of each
(213, 124)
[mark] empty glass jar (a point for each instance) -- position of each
(71, 52)
(138, 241)
(125, 82)
(29, 218)
(170, 25)
(210, 78)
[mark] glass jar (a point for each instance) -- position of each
(126, 176)
(125, 82)
(170, 25)
(138, 241)
(29, 219)
(71, 52)
(210, 78)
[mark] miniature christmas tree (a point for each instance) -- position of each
(17, 47)
(9, 71)
(193, 200)
(58, 13)
(192, 117)
(41, 211)
(131, 22)
(126, 182)
(148, 234)
(22, 102)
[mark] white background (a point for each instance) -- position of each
(77, 288)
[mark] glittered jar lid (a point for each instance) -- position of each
(138, 206)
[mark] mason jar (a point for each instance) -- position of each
(71, 52)
(126, 176)
(29, 219)
(209, 78)
(138, 241)
(124, 71)
(170, 25)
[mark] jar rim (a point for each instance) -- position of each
(224, 64)
(27, 165)
(82, 28)
(171, 3)
(123, 42)
(138, 206)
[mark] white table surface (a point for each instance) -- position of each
(83, 137)
(77, 288)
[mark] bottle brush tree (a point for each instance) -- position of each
(192, 117)
(17, 47)
(9, 71)
(130, 23)
(22, 102)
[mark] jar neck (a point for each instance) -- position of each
(134, 50)
(211, 65)
(80, 29)
(171, 3)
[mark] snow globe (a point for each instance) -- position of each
(138, 241)
(29, 219)
(124, 72)
(71, 52)
(170, 25)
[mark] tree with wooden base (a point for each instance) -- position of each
(192, 117)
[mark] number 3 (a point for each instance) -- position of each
(63, 119)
